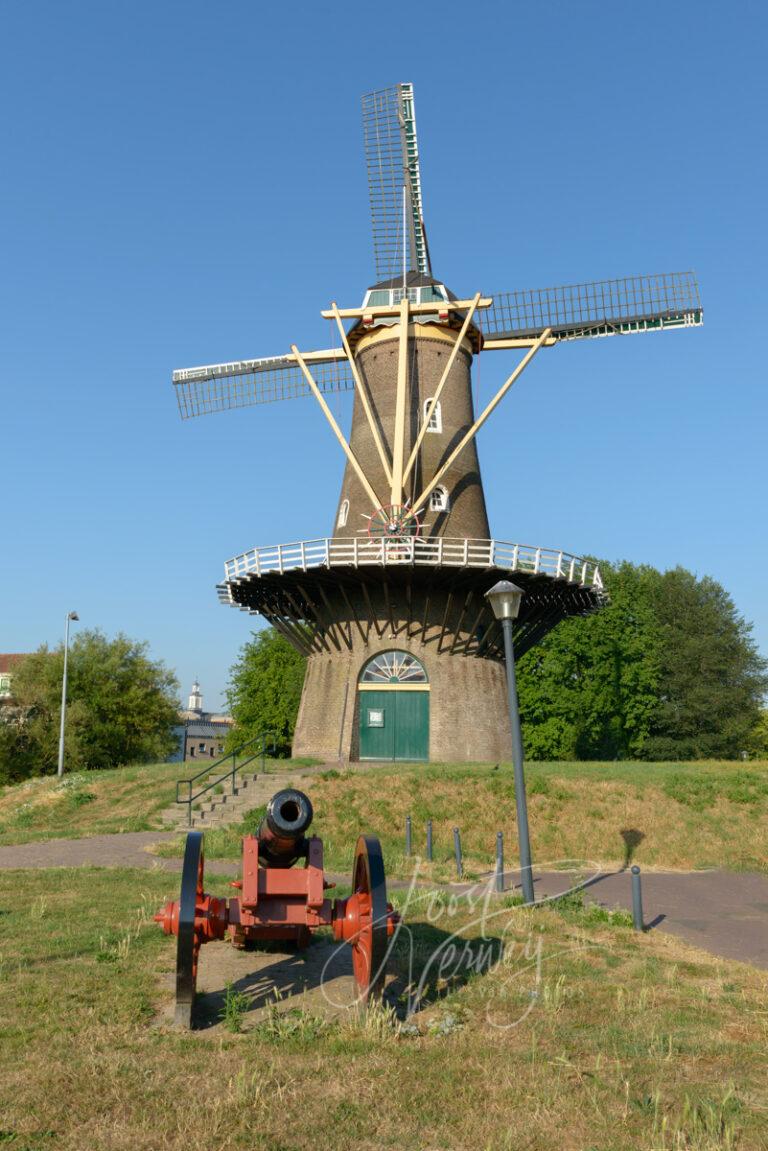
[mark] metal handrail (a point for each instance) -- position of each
(431, 551)
(190, 798)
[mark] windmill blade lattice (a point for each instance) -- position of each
(603, 308)
(392, 162)
(244, 383)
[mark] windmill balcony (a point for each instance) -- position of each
(437, 551)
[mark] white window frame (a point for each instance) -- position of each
(341, 522)
(415, 295)
(436, 420)
(439, 500)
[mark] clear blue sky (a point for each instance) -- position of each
(183, 183)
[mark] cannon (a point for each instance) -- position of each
(277, 900)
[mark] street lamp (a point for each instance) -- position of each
(504, 597)
(72, 615)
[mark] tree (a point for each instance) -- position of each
(757, 746)
(590, 688)
(666, 670)
(121, 708)
(265, 690)
(712, 677)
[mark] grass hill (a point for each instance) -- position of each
(675, 816)
(686, 816)
(91, 802)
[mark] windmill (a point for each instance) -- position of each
(404, 655)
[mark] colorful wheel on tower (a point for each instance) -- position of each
(369, 946)
(189, 942)
(394, 522)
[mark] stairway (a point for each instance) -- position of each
(252, 790)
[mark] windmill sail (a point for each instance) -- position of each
(243, 383)
(392, 162)
(604, 308)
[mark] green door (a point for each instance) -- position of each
(377, 724)
(412, 725)
(394, 725)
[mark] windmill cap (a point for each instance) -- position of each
(412, 280)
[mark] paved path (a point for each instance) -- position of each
(126, 850)
(725, 913)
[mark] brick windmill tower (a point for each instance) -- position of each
(405, 659)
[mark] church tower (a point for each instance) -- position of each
(195, 698)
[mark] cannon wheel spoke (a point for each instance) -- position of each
(188, 944)
(369, 949)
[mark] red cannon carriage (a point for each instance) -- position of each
(280, 901)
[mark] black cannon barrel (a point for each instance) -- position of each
(283, 829)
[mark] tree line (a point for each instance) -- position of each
(667, 670)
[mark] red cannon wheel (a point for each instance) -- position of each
(189, 942)
(369, 947)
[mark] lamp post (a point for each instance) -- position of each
(72, 615)
(504, 598)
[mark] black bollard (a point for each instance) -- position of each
(637, 900)
(499, 860)
(407, 835)
(457, 852)
(429, 840)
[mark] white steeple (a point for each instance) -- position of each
(196, 698)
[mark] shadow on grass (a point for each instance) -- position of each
(419, 958)
(632, 840)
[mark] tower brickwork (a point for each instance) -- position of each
(468, 720)
(429, 347)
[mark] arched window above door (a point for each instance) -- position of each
(394, 667)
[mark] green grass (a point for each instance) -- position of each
(235, 1007)
(608, 1040)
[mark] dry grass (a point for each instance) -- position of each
(670, 816)
(87, 803)
(93, 802)
(673, 818)
(678, 816)
(612, 1041)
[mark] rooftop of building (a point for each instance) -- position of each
(201, 729)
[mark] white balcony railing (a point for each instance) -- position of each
(437, 551)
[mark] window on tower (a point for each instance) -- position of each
(341, 522)
(436, 419)
(377, 299)
(438, 501)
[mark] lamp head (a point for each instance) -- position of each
(504, 598)
(73, 615)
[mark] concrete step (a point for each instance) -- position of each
(253, 790)
(178, 812)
